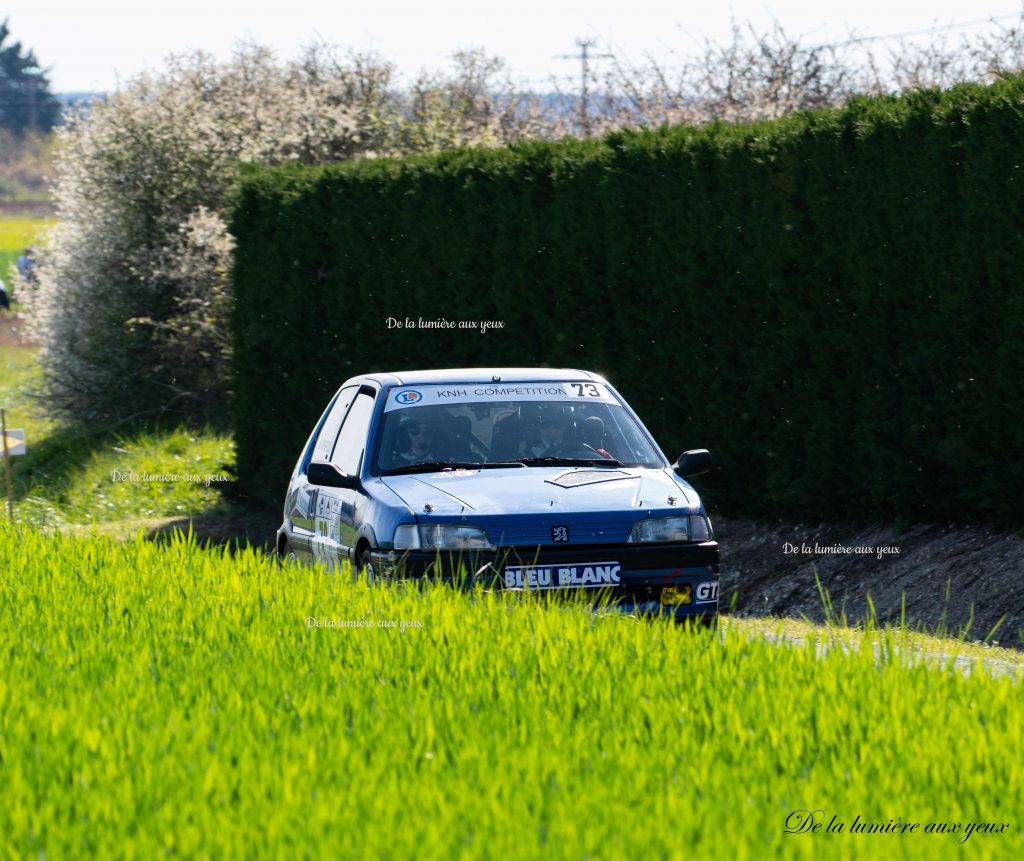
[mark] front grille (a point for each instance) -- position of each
(534, 533)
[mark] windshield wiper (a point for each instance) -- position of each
(569, 461)
(441, 465)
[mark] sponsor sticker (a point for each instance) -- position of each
(468, 393)
(583, 576)
(327, 523)
(707, 592)
(327, 506)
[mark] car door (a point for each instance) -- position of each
(334, 535)
(301, 503)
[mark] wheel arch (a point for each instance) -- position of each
(365, 540)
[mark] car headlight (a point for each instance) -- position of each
(440, 536)
(700, 528)
(407, 537)
(694, 527)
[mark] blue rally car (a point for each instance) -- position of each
(534, 479)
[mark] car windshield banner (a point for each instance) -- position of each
(419, 396)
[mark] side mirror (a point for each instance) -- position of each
(693, 462)
(328, 475)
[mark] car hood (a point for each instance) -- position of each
(542, 491)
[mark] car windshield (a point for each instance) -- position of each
(536, 424)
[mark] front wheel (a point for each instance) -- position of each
(364, 566)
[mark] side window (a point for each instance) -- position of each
(352, 439)
(329, 432)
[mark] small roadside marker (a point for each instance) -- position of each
(13, 443)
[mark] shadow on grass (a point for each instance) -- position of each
(121, 482)
(231, 527)
(53, 460)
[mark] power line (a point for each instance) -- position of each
(924, 32)
(585, 44)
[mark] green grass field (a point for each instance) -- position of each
(16, 234)
(170, 701)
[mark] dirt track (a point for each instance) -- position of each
(770, 572)
(12, 330)
(765, 566)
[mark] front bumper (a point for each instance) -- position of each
(677, 580)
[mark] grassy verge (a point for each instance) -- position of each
(152, 478)
(166, 700)
(959, 651)
(148, 474)
(71, 477)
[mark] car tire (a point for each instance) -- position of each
(289, 558)
(364, 567)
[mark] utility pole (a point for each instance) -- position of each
(31, 82)
(584, 56)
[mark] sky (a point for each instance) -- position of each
(90, 46)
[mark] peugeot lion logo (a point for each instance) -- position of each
(560, 534)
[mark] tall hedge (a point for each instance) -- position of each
(832, 303)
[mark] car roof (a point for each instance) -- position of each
(477, 375)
